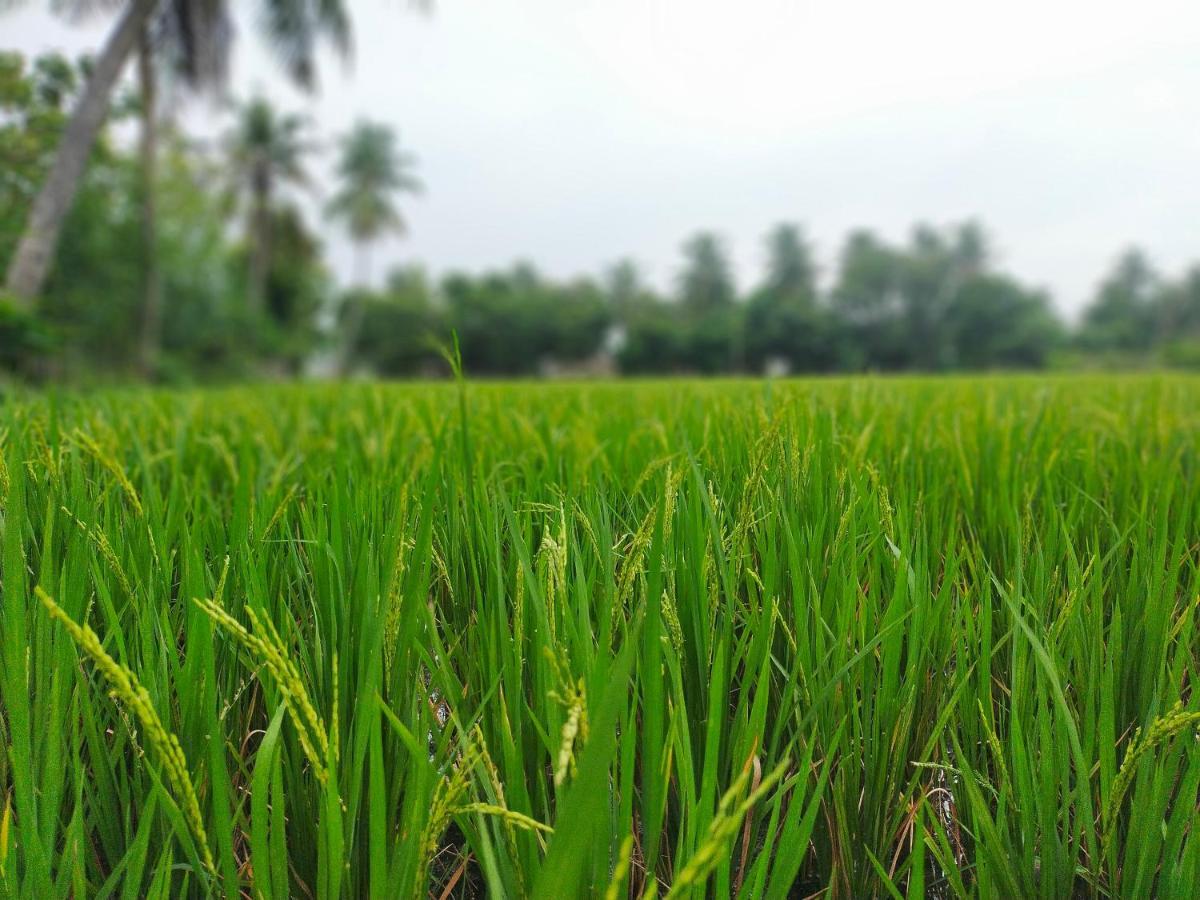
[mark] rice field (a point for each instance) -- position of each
(856, 638)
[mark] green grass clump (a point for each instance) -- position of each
(854, 638)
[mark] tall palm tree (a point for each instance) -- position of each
(266, 150)
(148, 149)
(372, 170)
(190, 41)
(200, 29)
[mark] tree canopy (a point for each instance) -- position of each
(249, 292)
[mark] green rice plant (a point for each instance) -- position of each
(127, 690)
(269, 649)
(488, 639)
(721, 830)
(1162, 729)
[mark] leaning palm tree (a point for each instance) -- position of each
(372, 170)
(202, 31)
(266, 150)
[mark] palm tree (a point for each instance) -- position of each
(201, 32)
(372, 170)
(266, 150)
(152, 280)
(190, 41)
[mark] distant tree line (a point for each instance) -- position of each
(240, 288)
(935, 303)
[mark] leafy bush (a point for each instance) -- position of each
(25, 340)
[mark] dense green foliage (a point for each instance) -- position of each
(879, 637)
(264, 303)
(89, 321)
(935, 305)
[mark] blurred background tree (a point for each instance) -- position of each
(400, 325)
(712, 328)
(1121, 317)
(223, 235)
(787, 329)
(196, 34)
(371, 171)
(649, 332)
(868, 305)
(267, 149)
(91, 318)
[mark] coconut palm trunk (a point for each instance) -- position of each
(260, 249)
(356, 312)
(362, 264)
(151, 337)
(35, 252)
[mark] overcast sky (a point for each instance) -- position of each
(575, 132)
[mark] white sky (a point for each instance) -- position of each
(574, 132)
